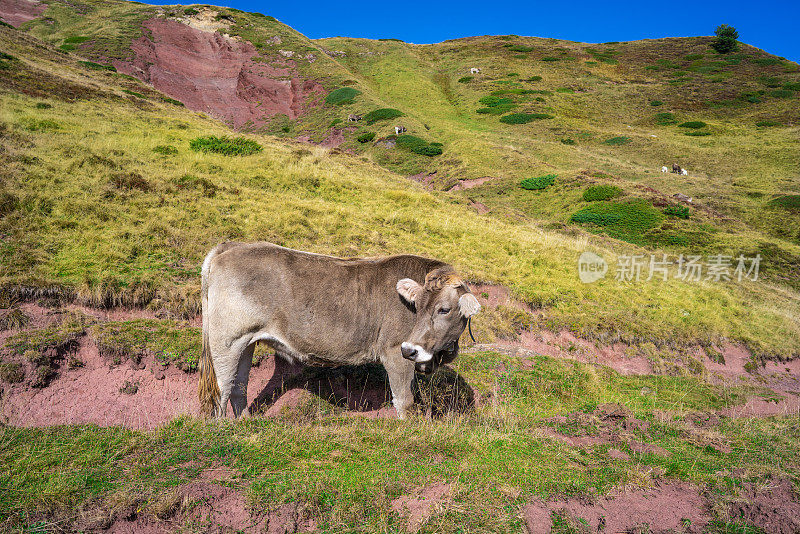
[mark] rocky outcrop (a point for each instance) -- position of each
(217, 74)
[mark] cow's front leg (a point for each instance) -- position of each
(401, 374)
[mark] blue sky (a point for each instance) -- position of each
(767, 25)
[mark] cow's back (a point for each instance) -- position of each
(326, 308)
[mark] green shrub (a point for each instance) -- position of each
(781, 93)
(76, 39)
(656, 103)
(342, 95)
(665, 119)
(465, 79)
(617, 141)
(98, 66)
(693, 124)
(693, 57)
(190, 11)
(43, 105)
(366, 137)
(680, 212)
(766, 61)
(569, 90)
(789, 202)
(533, 79)
(522, 118)
(165, 150)
(697, 133)
(568, 141)
(792, 86)
(623, 220)
(134, 93)
(7, 57)
(770, 81)
(418, 145)
(520, 48)
(550, 58)
(227, 146)
(537, 183)
(34, 125)
(382, 115)
(601, 192)
(172, 101)
(766, 124)
(726, 39)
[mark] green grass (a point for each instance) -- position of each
(624, 220)
(228, 146)
(601, 192)
(365, 137)
(681, 212)
(697, 133)
(346, 471)
(98, 66)
(693, 124)
(538, 183)
(617, 141)
(165, 150)
(664, 119)
(789, 202)
(524, 118)
(342, 96)
(418, 145)
(767, 124)
(383, 114)
(169, 341)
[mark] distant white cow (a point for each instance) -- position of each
(684, 172)
(664, 169)
(474, 70)
(399, 130)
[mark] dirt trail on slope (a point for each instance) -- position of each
(216, 74)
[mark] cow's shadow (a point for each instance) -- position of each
(365, 388)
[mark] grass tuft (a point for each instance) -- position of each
(227, 146)
(601, 192)
(342, 96)
(538, 183)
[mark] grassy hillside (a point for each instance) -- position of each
(105, 200)
(111, 193)
(611, 113)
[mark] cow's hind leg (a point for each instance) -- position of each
(239, 390)
(226, 366)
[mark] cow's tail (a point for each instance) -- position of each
(208, 389)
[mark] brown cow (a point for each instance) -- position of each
(407, 312)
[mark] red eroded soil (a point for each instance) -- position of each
(673, 506)
(210, 72)
(16, 12)
(418, 507)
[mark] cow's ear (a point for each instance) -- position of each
(409, 290)
(468, 305)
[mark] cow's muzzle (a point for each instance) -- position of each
(424, 361)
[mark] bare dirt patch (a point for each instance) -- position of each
(17, 12)
(472, 182)
(669, 506)
(418, 507)
(212, 503)
(772, 506)
(212, 73)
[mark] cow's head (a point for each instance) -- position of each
(443, 305)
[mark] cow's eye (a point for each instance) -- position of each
(444, 311)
